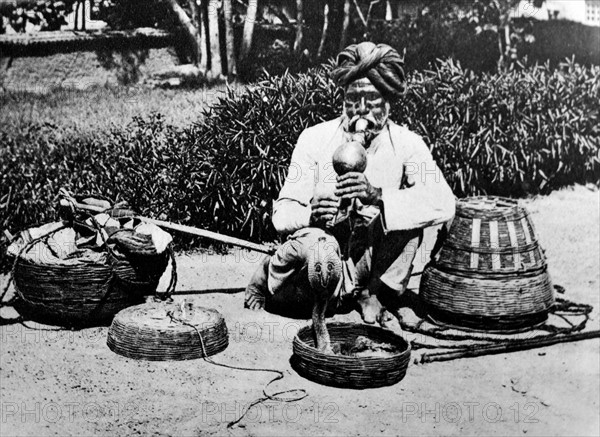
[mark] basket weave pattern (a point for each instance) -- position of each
(346, 371)
(148, 332)
(85, 290)
(491, 273)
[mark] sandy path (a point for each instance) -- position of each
(70, 383)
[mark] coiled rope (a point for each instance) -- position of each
(278, 396)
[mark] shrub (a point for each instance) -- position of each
(249, 139)
(140, 164)
(515, 133)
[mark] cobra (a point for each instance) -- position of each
(324, 273)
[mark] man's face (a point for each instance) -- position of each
(365, 109)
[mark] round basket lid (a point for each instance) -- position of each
(161, 331)
(490, 207)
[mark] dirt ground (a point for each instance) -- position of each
(70, 383)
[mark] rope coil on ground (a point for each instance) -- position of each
(301, 393)
(484, 343)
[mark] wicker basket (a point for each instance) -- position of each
(84, 290)
(491, 273)
(158, 331)
(491, 235)
(347, 371)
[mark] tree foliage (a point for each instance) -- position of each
(48, 14)
(318, 29)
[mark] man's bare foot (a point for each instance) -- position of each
(371, 310)
(393, 325)
(254, 299)
(385, 317)
(256, 293)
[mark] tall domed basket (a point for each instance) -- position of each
(491, 273)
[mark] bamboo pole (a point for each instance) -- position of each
(211, 235)
(263, 248)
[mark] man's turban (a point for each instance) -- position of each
(380, 63)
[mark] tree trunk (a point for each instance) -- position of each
(345, 24)
(299, 26)
(196, 19)
(214, 61)
(229, 44)
(186, 23)
(508, 47)
(76, 22)
(389, 14)
(325, 30)
(248, 29)
(369, 12)
(204, 45)
(83, 15)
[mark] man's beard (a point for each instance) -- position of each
(364, 128)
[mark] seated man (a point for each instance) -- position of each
(401, 192)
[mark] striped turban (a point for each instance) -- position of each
(380, 63)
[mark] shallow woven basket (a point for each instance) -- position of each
(86, 290)
(154, 331)
(346, 371)
(491, 273)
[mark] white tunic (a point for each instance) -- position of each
(414, 191)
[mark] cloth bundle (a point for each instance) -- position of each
(60, 241)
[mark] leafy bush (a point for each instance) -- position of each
(249, 139)
(130, 14)
(514, 133)
(49, 15)
(132, 164)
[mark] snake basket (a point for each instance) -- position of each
(85, 289)
(491, 273)
(158, 331)
(350, 371)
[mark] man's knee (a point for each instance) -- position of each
(298, 245)
(393, 262)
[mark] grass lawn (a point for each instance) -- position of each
(97, 109)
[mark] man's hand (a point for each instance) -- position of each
(324, 207)
(355, 185)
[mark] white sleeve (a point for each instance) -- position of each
(292, 209)
(425, 199)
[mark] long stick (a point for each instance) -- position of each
(212, 235)
(185, 229)
(514, 346)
